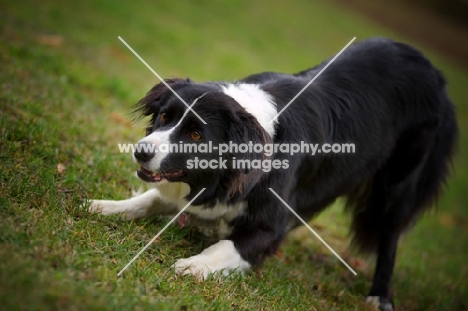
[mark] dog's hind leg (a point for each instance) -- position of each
(390, 209)
(400, 191)
(380, 292)
(143, 205)
(377, 225)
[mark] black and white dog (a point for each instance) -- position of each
(383, 96)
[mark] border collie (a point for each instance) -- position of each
(383, 96)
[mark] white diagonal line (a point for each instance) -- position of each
(316, 76)
(159, 77)
(160, 232)
(312, 230)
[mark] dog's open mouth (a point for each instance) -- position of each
(150, 176)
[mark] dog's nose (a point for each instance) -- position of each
(144, 151)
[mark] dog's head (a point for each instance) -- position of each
(183, 145)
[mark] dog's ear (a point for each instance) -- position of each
(244, 129)
(151, 103)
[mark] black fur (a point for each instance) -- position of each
(383, 96)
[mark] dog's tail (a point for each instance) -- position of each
(408, 184)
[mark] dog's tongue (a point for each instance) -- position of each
(181, 220)
(157, 177)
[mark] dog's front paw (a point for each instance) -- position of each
(379, 304)
(195, 266)
(110, 207)
(221, 257)
(100, 207)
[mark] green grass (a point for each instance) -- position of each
(66, 100)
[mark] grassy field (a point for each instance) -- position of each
(66, 87)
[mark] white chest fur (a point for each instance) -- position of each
(213, 222)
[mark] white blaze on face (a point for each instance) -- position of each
(255, 101)
(161, 142)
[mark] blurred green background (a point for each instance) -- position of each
(67, 85)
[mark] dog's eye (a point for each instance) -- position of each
(163, 117)
(195, 135)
